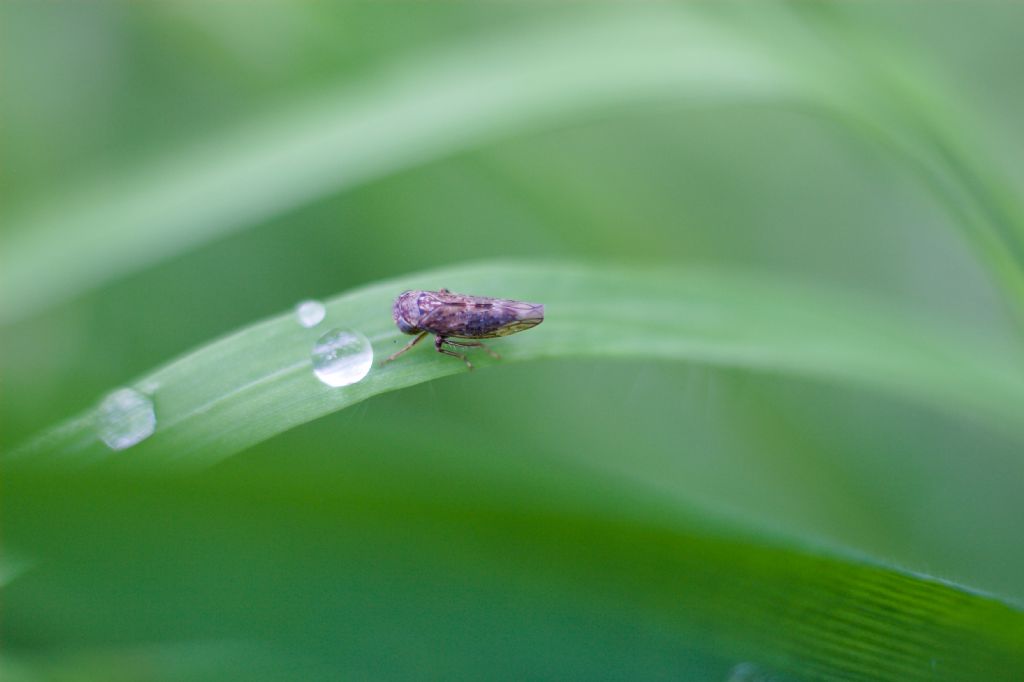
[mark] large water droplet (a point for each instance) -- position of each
(124, 418)
(310, 313)
(342, 357)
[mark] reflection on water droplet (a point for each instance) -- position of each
(310, 313)
(342, 357)
(124, 418)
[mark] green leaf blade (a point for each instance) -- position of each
(249, 386)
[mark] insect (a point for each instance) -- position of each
(457, 316)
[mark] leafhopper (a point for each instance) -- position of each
(449, 316)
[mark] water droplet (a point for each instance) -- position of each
(342, 357)
(124, 418)
(310, 313)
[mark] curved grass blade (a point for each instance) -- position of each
(897, 98)
(440, 103)
(424, 108)
(496, 567)
(258, 382)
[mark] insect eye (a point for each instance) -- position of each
(405, 327)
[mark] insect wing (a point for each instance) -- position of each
(517, 316)
(477, 317)
(439, 311)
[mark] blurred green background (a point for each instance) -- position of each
(269, 565)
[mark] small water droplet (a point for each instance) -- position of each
(310, 313)
(342, 357)
(124, 418)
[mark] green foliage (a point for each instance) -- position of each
(769, 430)
(259, 382)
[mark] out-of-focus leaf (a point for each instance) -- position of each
(371, 570)
(424, 107)
(435, 104)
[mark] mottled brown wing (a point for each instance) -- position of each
(439, 310)
(477, 317)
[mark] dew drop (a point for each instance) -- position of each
(342, 357)
(310, 313)
(124, 418)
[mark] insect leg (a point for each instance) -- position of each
(406, 347)
(439, 342)
(474, 344)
